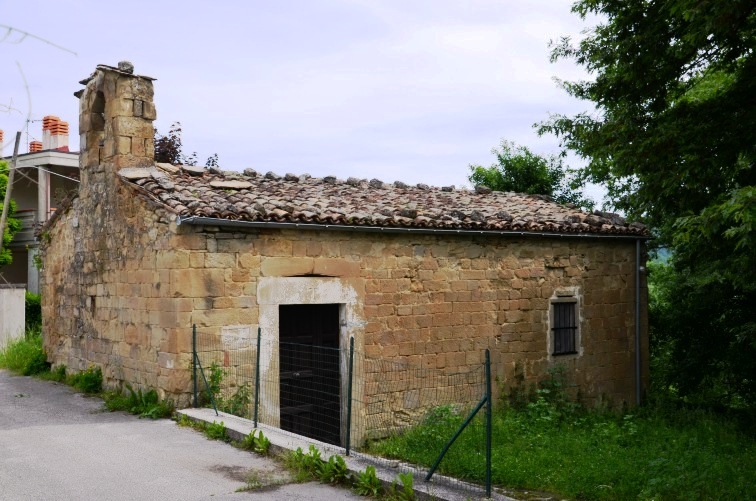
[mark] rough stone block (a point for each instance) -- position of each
(133, 127)
(277, 247)
(148, 110)
(122, 161)
(172, 259)
(220, 260)
(241, 275)
(138, 147)
(286, 267)
(336, 268)
(197, 283)
(249, 261)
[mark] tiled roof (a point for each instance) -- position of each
(194, 191)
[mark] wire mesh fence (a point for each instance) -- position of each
(345, 398)
(413, 419)
(396, 394)
(224, 370)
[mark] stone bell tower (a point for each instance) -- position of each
(116, 111)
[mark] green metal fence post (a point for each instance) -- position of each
(451, 440)
(194, 363)
(349, 396)
(207, 386)
(489, 414)
(257, 376)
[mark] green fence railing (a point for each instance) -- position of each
(341, 397)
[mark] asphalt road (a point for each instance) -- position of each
(59, 444)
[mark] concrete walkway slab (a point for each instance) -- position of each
(440, 487)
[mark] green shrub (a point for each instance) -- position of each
(311, 460)
(215, 380)
(366, 483)
(37, 364)
(333, 471)
(33, 311)
(404, 493)
(58, 374)
(25, 355)
(238, 404)
(88, 381)
(216, 431)
(592, 455)
(257, 442)
(143, 404)
(184, 420)
(305, 466)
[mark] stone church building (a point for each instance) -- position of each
(429, 276)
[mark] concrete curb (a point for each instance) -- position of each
(439, 488)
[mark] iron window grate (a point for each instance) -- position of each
(564, 328)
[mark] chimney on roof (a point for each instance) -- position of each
(54, 133)
(35, 146)
(1, 137)
(115, 119)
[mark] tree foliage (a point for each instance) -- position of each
(701, 339)
(13, 225)
(673, 137)
(519, 170)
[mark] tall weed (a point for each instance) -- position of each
(144, 404)
(239, 403)
(25, 355)
(88, 380)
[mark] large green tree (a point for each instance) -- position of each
(12, 225)
(519, 170)
(672, 134)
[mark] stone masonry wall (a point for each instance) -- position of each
(123, 291)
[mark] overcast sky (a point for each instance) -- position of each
(411, 90)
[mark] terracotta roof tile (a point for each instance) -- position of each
(191, 191)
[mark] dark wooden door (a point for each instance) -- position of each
(310, 400)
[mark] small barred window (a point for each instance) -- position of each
(564, 327)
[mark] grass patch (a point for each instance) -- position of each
(87, 381)
(333, 471)
(257, 442)
(58, 374)
(303, 465)
(653, 454)
(216, 431)
(143, 404)
(25, 355)
(366, 483)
